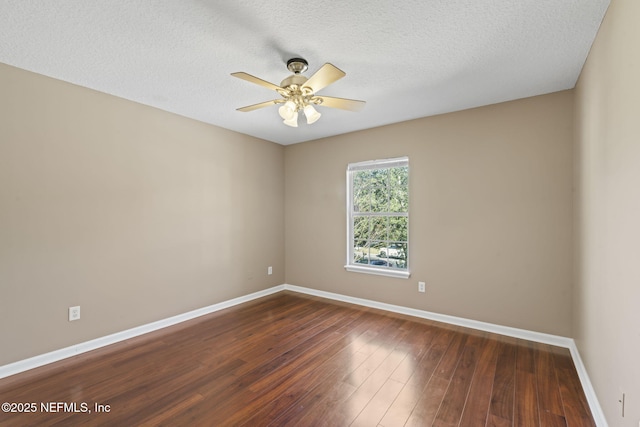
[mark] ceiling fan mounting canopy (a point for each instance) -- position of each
(299, 93)
(297, 65)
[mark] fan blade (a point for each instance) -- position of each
(254, 79)
(260, 105)
(322, 78)
(341, 103)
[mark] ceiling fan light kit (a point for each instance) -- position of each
(299, 93)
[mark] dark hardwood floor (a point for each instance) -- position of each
(295, 360)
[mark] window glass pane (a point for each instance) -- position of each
(402, 261)
(379, 229)
(398, 263)
(379, 199)
(399, 177)
(397, 253)
(379, 177)
(398, 228)
(362, 179)
(395, 250)
(361, 228)
(377, 255)
(362, 200)
(399, 201)
(361, 252)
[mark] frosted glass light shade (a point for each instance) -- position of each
(293, 121)
(287, 110)
(312, 114)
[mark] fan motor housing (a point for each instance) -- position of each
(294, 79)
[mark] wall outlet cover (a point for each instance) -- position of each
(74, 313)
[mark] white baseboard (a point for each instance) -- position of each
(452, 320)
(54, 356)
(589, 391)
(556, 340)
(63, 353)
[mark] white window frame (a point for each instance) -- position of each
(350, 265)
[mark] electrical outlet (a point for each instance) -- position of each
(270, 270)
(421, 287)
(74, 313)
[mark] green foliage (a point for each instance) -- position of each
(381, 190)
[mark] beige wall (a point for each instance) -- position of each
(607, 295)
(491, 213)
(132, 213)
(136, 214)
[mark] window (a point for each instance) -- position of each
(378, 217)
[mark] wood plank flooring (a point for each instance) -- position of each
(295, 360)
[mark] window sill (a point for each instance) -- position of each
(398, 274)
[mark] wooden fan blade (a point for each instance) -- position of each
(322, 78)
(260, 105)
(256, 80)
(342, 103)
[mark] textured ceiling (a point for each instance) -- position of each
(408, 59)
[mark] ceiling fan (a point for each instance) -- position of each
(299, 93)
